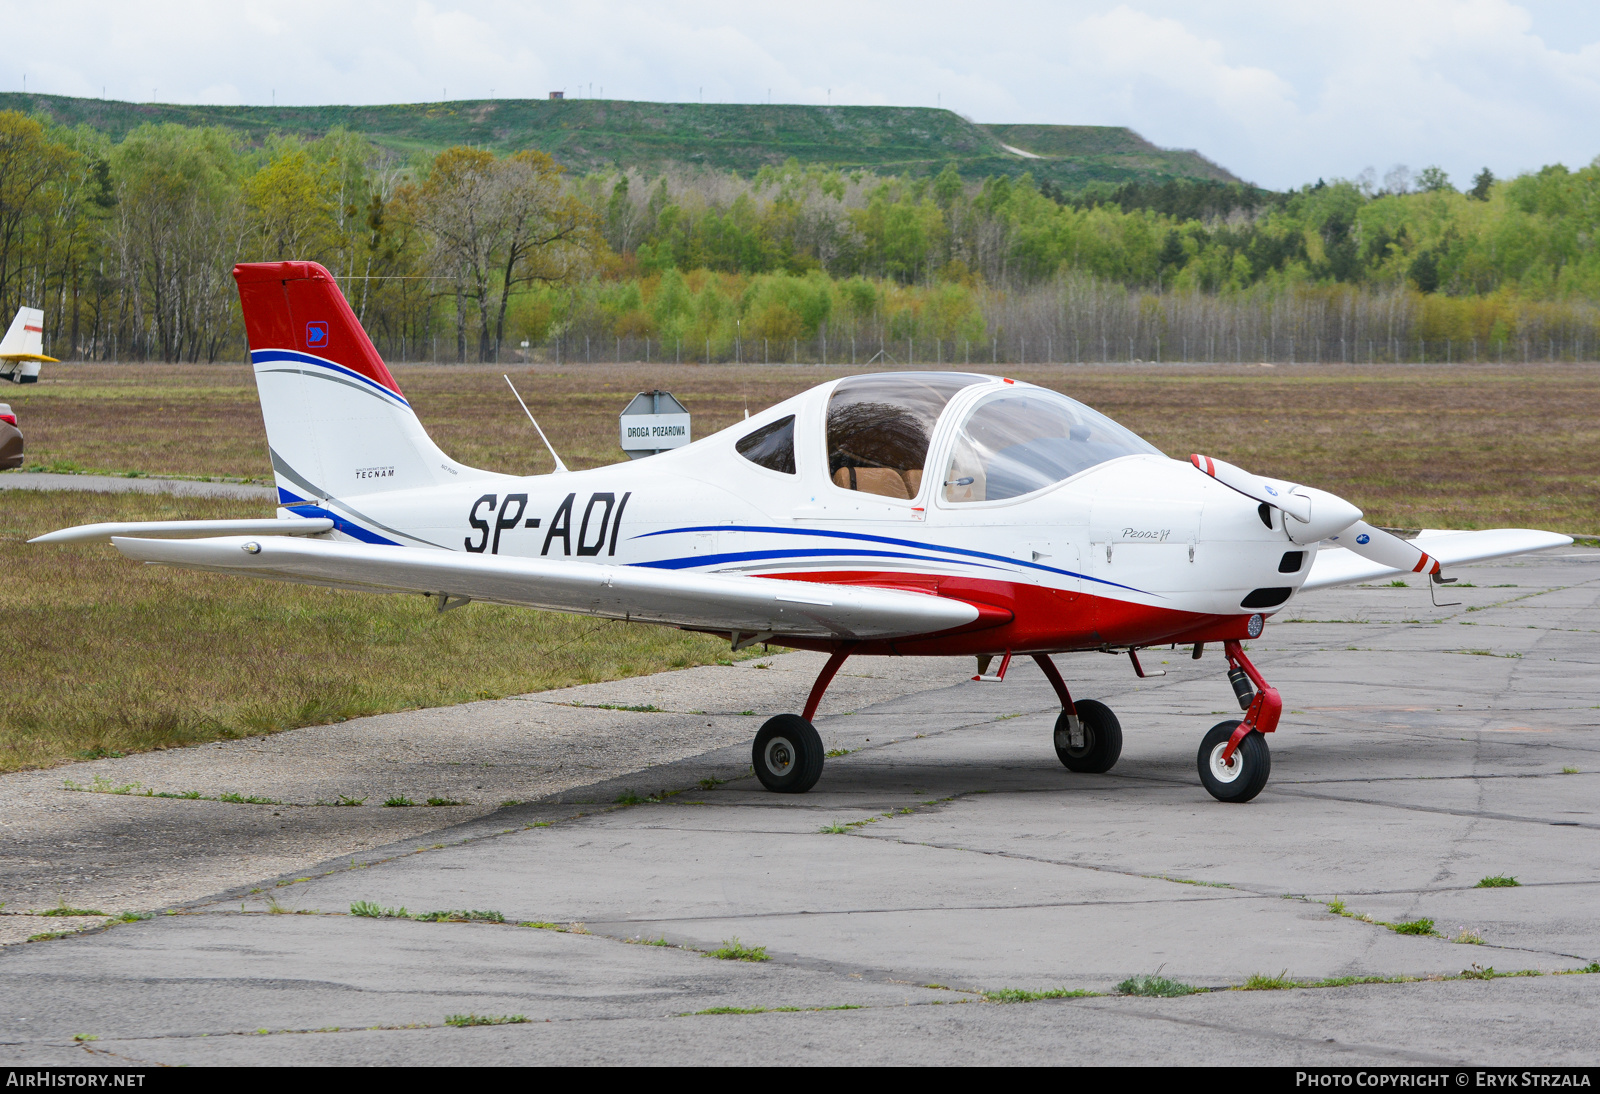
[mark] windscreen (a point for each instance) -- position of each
(879, 427)
(1024, 439)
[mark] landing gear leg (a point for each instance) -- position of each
(787, 753)
(1088, 737)
(1234, 761)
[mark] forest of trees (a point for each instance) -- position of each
(467, 255)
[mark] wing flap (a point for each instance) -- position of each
(1337, 566)
(189, 529)
(721, 602)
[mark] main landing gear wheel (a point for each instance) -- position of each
(1102, 739)
(787, 754)
(1244, 775)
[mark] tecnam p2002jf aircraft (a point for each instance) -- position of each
(903, 513)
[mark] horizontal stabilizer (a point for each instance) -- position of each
(715, 602)
(188, 529)
(1338, 566)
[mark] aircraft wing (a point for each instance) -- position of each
(188, 529)
(1337, 566)
(716, 602)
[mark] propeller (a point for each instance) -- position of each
(1313, 515)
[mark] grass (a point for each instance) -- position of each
(184, 658)
(366, 909)
(1568, 769)
(64, 910)
(1021, 995)
(1261, 982)
(1155, 986)
(399, 801)
(1414, 926)
(444, 801)
(834, 829)
(1497, 881)
(734, 950)
(459, 917)
(485, 1019)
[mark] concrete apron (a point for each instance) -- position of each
(1422, 749)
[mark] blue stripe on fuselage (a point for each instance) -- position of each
(760, 556)
(864, 537)
(340, 523)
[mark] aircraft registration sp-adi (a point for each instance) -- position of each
(944, 513)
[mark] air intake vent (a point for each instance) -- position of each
(1291, 562)
(1265, 598)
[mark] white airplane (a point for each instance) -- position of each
(892, 514)
(22, 349)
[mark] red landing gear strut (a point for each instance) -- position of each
(1088, 736)
(787, 753)
(1261, 711)
(1234, 760)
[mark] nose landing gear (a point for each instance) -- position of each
(1234, 761)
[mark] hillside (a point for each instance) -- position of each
(589, 134)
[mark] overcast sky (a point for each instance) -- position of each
(1279, 91)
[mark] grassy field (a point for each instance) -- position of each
(597, 134)
(107, 657)
(1421, 446)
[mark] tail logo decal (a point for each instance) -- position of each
(316, 336)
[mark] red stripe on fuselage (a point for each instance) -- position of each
(1042, 619)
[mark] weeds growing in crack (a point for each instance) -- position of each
(1021, 995)
(734, 950)
(1261, 982)
(1498, 881)
(559, 928)
(444, 801)
(366, 909)
(834, 829)
(399, 801)
(485, 1019)
(460, 917)
(1155, 986)
(1415, 926)
(62, 909)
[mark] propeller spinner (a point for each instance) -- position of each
(1312, 515)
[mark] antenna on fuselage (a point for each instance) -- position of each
(559, 465)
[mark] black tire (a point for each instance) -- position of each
(1245, 777)
(787, 755)
(1102, 739)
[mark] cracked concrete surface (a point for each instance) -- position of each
(1422, 749)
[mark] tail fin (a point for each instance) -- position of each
(337, 423)
(23, 347)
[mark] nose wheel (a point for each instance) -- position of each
(1235, 778)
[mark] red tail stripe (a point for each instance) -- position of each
(36, 330)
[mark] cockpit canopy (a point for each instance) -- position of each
(1012, 441)
(879, 428)
(1021, 439)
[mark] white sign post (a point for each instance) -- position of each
(653, 422)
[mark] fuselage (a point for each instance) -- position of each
(1133, 551)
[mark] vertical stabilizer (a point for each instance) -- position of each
(22, 349)
(337, 423)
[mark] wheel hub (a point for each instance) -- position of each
(1226, 771)
(779, 756)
